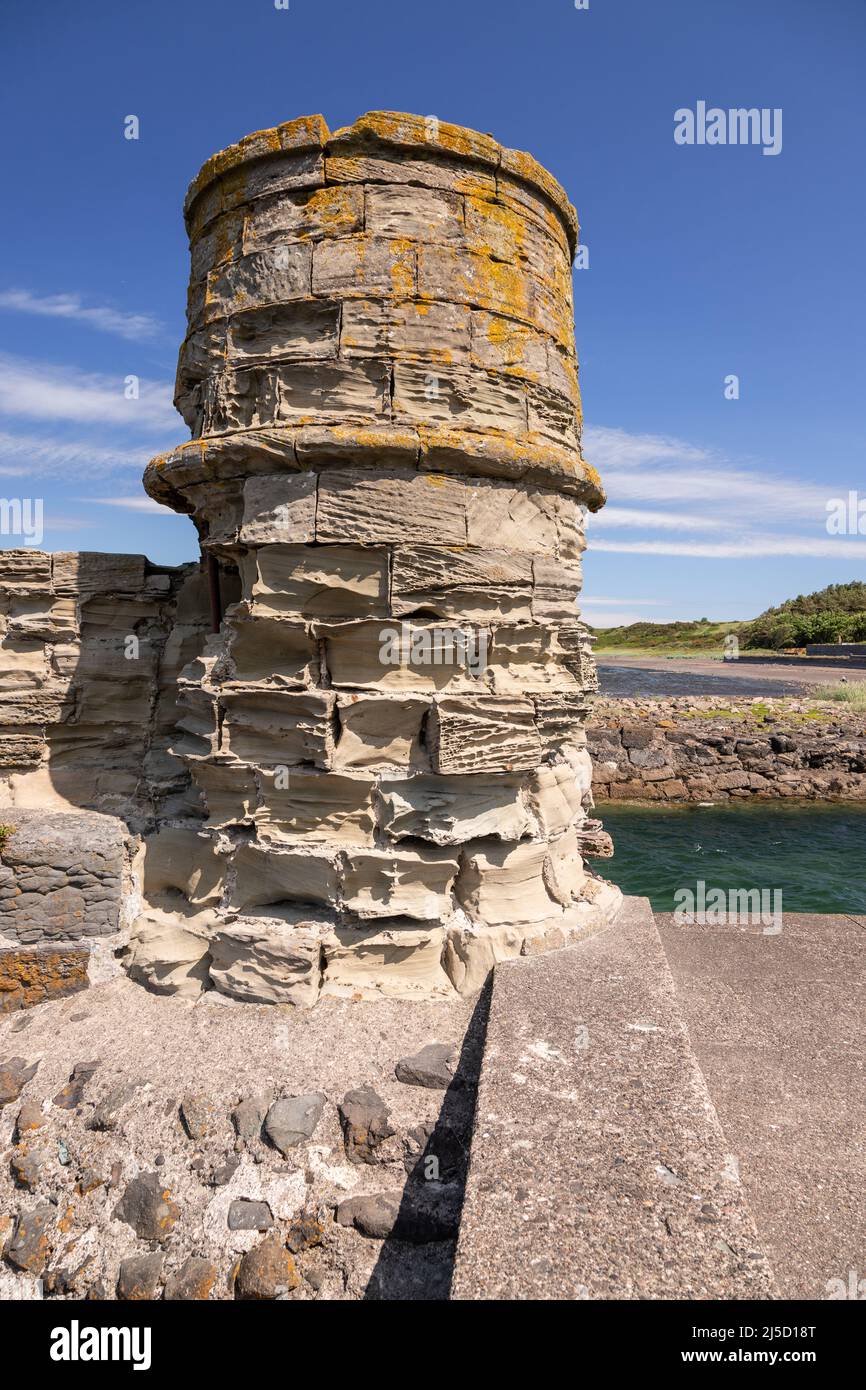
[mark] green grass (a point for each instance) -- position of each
(835, 613)
(666, 639)
(853, 694)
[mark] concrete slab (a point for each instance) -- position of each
(776, 1023)
(599, 1169)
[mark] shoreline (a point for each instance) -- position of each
(703, 665)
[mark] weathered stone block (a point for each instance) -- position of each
(483, 734)
(315, 808)
(452, 810)
(272, 959)
(379, 732)
(325, 582)
(400, 883)
(413, 330)
(60, 876)
(265, 277)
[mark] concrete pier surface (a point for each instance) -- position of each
(776, 1024)
(671, 1112)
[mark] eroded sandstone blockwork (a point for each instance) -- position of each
(90, 650)
(387, 733)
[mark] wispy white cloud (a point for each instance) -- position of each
(46, 391)
(613, 448)
(750, 513)
(752, 546)
(637, 517)
(45, 456)
(64, 523)
(730, 491)
(132, 504)
(616, 602)
(134, 327)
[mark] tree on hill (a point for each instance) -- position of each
(834, 614)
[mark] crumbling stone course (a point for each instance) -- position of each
(90, 649)
(372, 780)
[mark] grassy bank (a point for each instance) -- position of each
(853, 695)
(704, 639)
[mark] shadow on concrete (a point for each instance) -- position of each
(416, 1261)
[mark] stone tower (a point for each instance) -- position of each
(387, 732)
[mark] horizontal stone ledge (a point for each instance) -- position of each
(488, 454)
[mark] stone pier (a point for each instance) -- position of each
(387, 730)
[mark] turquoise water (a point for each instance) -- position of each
(815, 853)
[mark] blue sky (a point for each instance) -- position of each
(704, 261)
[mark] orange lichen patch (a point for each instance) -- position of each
(304, 133)
(335, 211)
(483, 282)
(403, 266)
(65, 1223)
(592, 473)
(508, 346)
(30, 976)
(373, 437)
(471, 186)
(89, 1181)
(531, 204)
(334, 208)
(198, 1285)
(493, 229)
(513, 290)
(525, 167)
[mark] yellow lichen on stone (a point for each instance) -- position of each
(306, 132)
(402, 266)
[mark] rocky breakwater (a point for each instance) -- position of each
(703, 749)
(388, 731)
